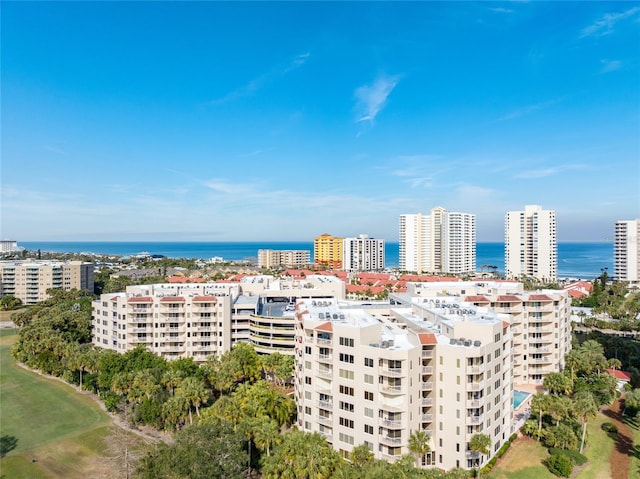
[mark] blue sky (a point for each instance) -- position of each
(281, 121)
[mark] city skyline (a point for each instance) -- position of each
(212, 121)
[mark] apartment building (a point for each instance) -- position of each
(9, 246)
(374, 376)
(271, 258)
(531, 248)
(29, 280)
(441, 242)
(198, 320)
(626, 251)
(328, 251)
(363, 254)
(540, 321)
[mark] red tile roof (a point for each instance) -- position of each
(476, 299)
(205, 299)
(508, 298)
(140, 299)
(172, 299)
(326, 326)
(427, 338)
(620, 375)
(539, 297)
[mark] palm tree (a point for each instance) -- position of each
(558, 383)
(361, 455)
(540, 404)
(585, 408)
(266, 434)
(480, 443)
(194, 392)
(419, 445)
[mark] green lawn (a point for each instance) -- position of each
(524, 458)
(58, 431)
(598, 451)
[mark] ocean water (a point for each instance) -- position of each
(575, 260)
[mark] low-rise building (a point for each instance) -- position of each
(271, 258)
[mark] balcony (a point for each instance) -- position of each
(475, 403)
(477, 369)
(392, 372)
(323, 342)
(324, 405)
(479, 386)
(324, 357)
(427, 417)
(390, 440)
(391, 423)
(427, 386)
(427, 401)
(325, 373)
(326, 420)
(476, 419)
(391, 389)
(427, 354)
(427, 369)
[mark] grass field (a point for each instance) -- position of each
(60, 432)
(524, 458)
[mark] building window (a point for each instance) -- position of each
(346, 342)
(346, 390)
(368, 429)
(368, 395)
(368, 362)
(346, 358)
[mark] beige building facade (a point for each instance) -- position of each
(271, 258)
(198, 320)
(540, 321)
(375, 376)
(29, 280)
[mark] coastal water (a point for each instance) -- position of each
(575, 260)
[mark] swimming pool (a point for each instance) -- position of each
(519, 397)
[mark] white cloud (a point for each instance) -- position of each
(372, 98)
(529, 109)
(549, 171)
(605, 24)
(224, 186)
(501, 10)
(262, 80)
(610, 65)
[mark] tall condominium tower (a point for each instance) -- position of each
(442, 242)
(626, 251)
(531, 247)
(363, 254)
(327, 251)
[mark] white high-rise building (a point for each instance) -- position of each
(626, 251)
(363, 254)
(442, 242)
(531, 247)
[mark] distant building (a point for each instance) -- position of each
(271, 258)
(9, 246)
(29, 280)
(531, 248)
(363, 254)
(328, 251)
(626, 251)
(442, 242)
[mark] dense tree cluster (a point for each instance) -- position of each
(615, 300)
(559, 418)
(231, 416)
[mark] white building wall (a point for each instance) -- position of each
(626, 251)
(530, 244)
(363, 254)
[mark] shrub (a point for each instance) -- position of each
(609, 427)
(559, 465)
(577, 458)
